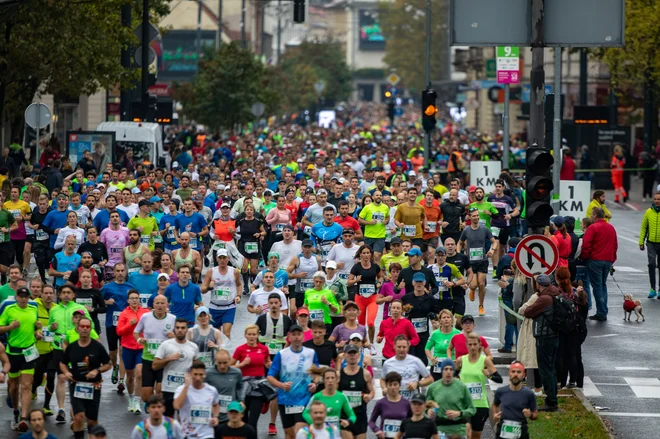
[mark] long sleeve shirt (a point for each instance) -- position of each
(125, 329)
(389, 329)
(600, 242)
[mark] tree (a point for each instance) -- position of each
(226, 85)
(403, 23)
(64, 48)
(313, 61)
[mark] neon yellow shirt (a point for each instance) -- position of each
(379, 213)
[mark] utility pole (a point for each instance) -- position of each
(218, 40)
(556, 129)
(279, 29)
(145, 61)
(262, 39)
(427, 78)
(198, 39)
(243, 41)
(537, 77)
(505, 128)
(125, 95)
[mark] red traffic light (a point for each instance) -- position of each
(539, 187)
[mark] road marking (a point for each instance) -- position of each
(589, 389)
(625, 238)
(630, 415)
(633, 207)
(625, 269)
(493, 338)
(642, 381)
(605, 335)
(631, 368)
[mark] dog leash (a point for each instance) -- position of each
(617, 284)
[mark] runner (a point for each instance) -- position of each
(326, 352)
(235, 427)
(157, 425)
(374, 218)
(462, 262)
(321, 301)
(395, 256)
(65, 262)
(420, 305)
(513, 405)
(131, 350)
(436, 346)
(226, 284)
(367, 276)
(115, 238)
(207, 338)
(45, 363)
(344, 254)
(507, 209)
(151, 331)
(337, 403)
(413, 373)
(83, 364)
(355, 382)
(418, 425)
(145, 280)
(281, 276)
(134, 251)
(259, 299)
(453, 212)
(392, 409)
(186, 255)
(434, 223)
(184, 296)
(20, 321)
(448, 277)
(198, 403)
(458, 344)
(145, 223)
(91, 299)
(475, 240)
(319, 428)
(37, 420)
(301, 268)
(326, 234)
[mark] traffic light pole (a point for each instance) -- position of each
(537, 77)
(145, 61)
(427, 78)
(125, 96)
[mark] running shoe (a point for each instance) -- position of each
(131, 405)
(372, 351)
(15, 420)
(23, 425)
(47, 411)
(652, 294)
(136, 405)
(482, 311)
(115, 375)
(121, 387)
(61, 417)
(471, 295)
(272, 430)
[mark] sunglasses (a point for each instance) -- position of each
(84, 326)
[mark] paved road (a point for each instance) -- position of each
(622, 370)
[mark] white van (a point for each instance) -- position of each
(141, 137)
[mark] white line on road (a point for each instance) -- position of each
(589, 389)
(630, 415)
(625, 238)
(633, 207)
(631, 368)
(605, 335)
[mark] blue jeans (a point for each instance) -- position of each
(509, 330)
(583, 275)
(598, 272)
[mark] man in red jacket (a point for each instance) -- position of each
(599, 247)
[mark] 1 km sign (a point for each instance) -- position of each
(536, 254)
(484, 174)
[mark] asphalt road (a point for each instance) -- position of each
(622, 371)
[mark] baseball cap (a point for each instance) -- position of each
(472, 188)
(235, 406)
(414, 252)
(440, 249)
(23, 292)
(331, 264)
(558, 220)
(222, 252)
(136, 190)
(348, 231)
(412, 173)
(143, 203)
(273, 255)
(356, 335)
(418, 398)
(155, 199)
(543, 280)
(295, 328)
(467, 317)
(165, 275)
(202, 309)
(307, 243)
(350, 304)
(351, 348)
(302, 311)
(79, 311)
(396, 240)
(419, 277)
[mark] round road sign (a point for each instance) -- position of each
(536, 254)
(37, 115)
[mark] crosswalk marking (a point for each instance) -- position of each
(589, 389)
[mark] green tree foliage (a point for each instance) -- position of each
(62, 47)
(403, 23)
(302, 66)
(226, 85)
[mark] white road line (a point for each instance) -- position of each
(633, 207)
(630, 415)
(605, 335)
(589, 389)
(625, 269)
(631, 368)
(625, 238)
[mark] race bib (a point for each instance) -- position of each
(307, 230)
(251, 247)
(200, 414)
(332, 420)
(170, 233)
(115, 318)
(84, 302)
(193, 243)
(391, 427)
(316, 314)
(482, 222)
(495, 231)
(354, 398)
(421, 324)
(15, 213)
(367, 290)
(206, 358)
(432, 226)
(83, 391)
(158, 239)
(306, 284)
(379, 217)
(47, 336)
(511, 430)
(224, 403)
(279, 227)
(2, 237)
(41, 235)
(441, 283)
(344, 276)
(476, 254)
(219, 245)
(153, 345)
(475, 390)
(294, 409)
(173, 380)
(407, 394)
(144, 300)
(222, 294)
(437, 368)
(274, 347)
(409, 230)
(30, 354)
(146, 240)
(134, 270)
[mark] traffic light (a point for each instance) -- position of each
(429, 109)
(298, 11)
(390, 110)
(539, 187)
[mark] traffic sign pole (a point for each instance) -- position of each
(508, 72)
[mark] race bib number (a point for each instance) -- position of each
(409, 230)
(47, 336)
(391, 427)
(144, 300)
(274, 347)
(307, 230)
(475, 390)
(482, 222)
(279, 227)
(316, 314)
(193, 243)
(511, 430)
(158, 239)
(332, 420)
(437, 368)
(219, 245)
(251, 247)
(476, 254)
(30, 354)
(133, 270)
(441, 283)
(15, 213)
(153, 345)
(172, 381)
(170, 233)
(294, 409)
(115, 318)
(84, 391)
(432, 226)
(84, 302)
(354, 398)
(379, 217)
(146, 240)
(406, 393)
(421, 324)
(224, 403)
(41, 235)
(206, 358)
(367, 290)
(222, 294)
(495, 231)
(344, 276)
(200, 414)
(306, 284)
(325, 249)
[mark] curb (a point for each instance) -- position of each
(503, 359)
(587, 405)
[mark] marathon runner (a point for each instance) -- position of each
(513, 405)
(412, 370)
(226, 285)
(355, 382)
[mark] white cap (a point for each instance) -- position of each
(413, 173)
(356, 335)
(175, 164)
(331, 264)
(222, 252)
(165, 275)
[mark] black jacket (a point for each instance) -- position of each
(54, 179)
(541, 312)
(452, 213)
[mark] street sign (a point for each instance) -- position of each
(393, 79)
(319, 87)
(138, 56)
(258, 109)
(574, 198)
(508, 65)
(484, 174)
(37, 115)
(536, 254)
(153, 32)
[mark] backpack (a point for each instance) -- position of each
(564, 319)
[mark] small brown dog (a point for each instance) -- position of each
(630, 305)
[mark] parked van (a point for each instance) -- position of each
(141, 137)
